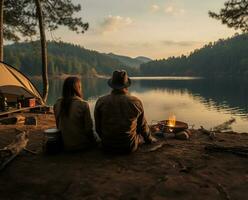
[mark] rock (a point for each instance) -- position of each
(183, 135)
(31, 121)
(18, 119)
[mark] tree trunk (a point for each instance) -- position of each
(43, 50)
(1, 29)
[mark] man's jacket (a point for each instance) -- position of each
(120, 121)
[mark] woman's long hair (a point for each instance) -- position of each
(71, 88)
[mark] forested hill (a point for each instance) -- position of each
(220, 59)
(132, 62)
(62, 58)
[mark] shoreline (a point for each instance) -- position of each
(100, 76)
(64, 76)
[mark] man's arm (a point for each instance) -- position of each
(142, 126)
(97, 116)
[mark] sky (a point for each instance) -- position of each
(152, 28)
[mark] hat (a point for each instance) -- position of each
(119, 80)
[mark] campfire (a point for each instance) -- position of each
(171, 125)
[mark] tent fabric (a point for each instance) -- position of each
(14, 82)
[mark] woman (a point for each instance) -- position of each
(73, 117)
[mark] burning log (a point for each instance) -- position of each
(11, 151)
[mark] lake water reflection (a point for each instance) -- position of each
(195, 101)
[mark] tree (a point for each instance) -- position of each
(1, 29)
(22, 17)
(43, 50)
(234, 14)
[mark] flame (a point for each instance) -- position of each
(172, 121)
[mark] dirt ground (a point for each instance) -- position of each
(179, 170)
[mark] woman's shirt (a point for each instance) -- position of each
(77, 126)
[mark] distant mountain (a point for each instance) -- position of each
(223, 58)
(128, 61)
(143, 59)
(63, 58)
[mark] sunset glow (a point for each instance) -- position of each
(152, 28)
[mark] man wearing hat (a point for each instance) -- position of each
(119, 117)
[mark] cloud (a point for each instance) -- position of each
(179, 43)
(114, 23)
(168, 9)
(155, 8)
(173, 10)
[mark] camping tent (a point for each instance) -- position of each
(14, 84)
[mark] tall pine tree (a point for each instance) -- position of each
(234, 14)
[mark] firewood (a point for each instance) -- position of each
(211, 134)
(7, 161)
(226, 126)
(14, 149)
(19, 143)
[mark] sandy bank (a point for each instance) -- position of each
(178, 170)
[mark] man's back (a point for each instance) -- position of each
(120, 120)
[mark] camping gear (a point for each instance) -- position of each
(30, 102)
(14, 84)
(27, 102)
(3, 104)
(53, 143)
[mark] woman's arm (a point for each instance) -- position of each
(97, 116)
(88, 123)
(55, 111)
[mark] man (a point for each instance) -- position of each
(119, 117)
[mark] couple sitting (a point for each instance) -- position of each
(119, 117)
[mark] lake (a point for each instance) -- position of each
(195, 101)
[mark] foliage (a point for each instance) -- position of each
(222, 58)
(234, 14)
(62, 58)
(20, 17)
(132, 62)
